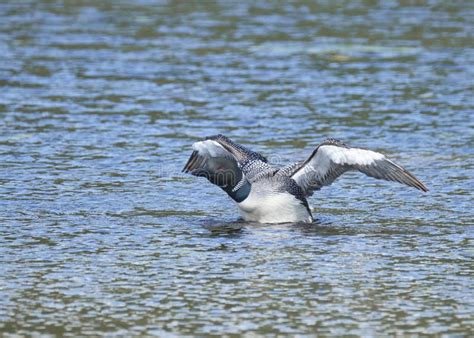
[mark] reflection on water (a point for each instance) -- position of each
(100, 233)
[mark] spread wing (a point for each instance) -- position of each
(224, 162)
(333, 158)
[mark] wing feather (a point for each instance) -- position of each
(225, 163)
(211, 160)
(332, 158)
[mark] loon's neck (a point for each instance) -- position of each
(238, 192)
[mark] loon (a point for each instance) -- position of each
(266, 194)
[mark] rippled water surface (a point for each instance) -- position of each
(101, 101)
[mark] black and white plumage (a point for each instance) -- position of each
(277, 195)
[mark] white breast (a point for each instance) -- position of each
(273, 208)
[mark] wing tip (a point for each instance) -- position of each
(189, 164)
(422, 187)
(407, 177)
(414, 182)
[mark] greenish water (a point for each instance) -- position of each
(101, 101)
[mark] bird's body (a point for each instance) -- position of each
(269, 201)
(267, 194)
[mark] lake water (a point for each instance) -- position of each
(100, 102)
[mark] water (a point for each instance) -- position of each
(101, 101)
